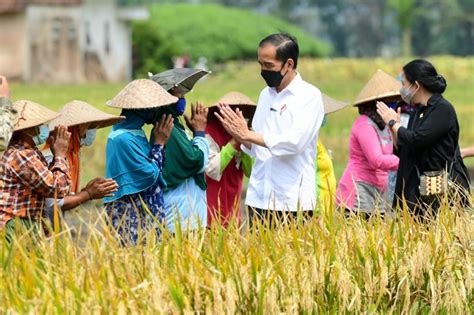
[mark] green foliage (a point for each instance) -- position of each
(212, 31)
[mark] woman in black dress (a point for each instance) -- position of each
(430, 142)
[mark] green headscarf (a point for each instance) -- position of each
(183, 159)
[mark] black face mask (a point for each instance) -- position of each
(273, 78)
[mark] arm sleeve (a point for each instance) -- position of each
(227, 154)
(437, 124)
(34, 173)
(158, 155)
(246, 150)
(213, 169)
(305, 126)
(247, 164)
(202, 144)
(370, 144)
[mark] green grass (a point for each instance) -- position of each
(339, 78)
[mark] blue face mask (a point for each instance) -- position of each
(181, 105)
(89, 138)
(42, 136)
(393, 105)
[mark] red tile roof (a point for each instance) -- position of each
(7, 6)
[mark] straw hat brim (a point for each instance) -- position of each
(77, 113)
(332, 105)
(382, 97)
(142, 94)
(248, 111)
(31, 114)
(235, 100)
(380, 86)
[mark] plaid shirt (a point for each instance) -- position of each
(26, 181)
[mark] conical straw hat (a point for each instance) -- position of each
(381, 85)
(78, 112)
(236, 99)
(31, 114)
(331, 105)
(142, 94)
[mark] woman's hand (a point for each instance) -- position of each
(99, 188)
(387, 113)
(198, 119)
(163, 129)
(61, 141)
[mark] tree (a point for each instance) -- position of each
(406, 14)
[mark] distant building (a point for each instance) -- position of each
(66, 41)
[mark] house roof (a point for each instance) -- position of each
(13, 6)
(7, 6)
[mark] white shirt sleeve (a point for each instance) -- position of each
(213, 169)
(203, 145)
(305, 124)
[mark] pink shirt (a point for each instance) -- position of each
(370, 159)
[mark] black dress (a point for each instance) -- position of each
(430, 143)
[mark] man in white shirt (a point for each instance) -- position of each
(285, 130)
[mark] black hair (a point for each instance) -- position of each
(369, 109)
(426, 75)
(286, 46)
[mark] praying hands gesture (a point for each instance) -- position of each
(387, 113)
(198, 119)
(233, 122)
(163, 129)
(60, 141)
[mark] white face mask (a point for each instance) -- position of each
(89, 138)
(407, 95)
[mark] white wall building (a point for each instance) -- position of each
(67, 41)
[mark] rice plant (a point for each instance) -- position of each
(329, 264)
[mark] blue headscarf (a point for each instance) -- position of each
(128, 156)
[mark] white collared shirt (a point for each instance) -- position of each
(283, 177)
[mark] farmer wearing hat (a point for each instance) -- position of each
(82, 121)
(186, 156)
(364, 183)
(227, 163)
(286, 125)
(26, 179)
(137, 206)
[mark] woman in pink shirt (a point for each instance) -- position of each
(363, 185)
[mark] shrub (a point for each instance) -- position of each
(215, 32)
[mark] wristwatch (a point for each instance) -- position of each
(392, 122)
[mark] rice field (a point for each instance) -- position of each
(330, 264)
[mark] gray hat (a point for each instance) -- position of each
(183, 78)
